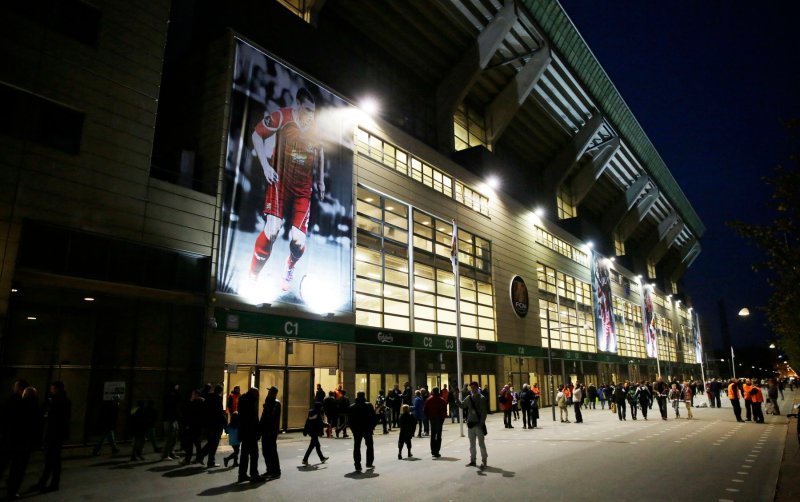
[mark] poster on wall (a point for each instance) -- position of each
(697, 338)
(287, 212)
(603, 304)
(650, 342)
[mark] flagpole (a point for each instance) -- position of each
(733, 363)
(700, 343)
(459, 368)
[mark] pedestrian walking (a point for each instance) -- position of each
(620, 397)
(394, 401)
(249, 434)
(688, 399)
(601, 396)
(109, 415)
(380, 410)
(662, 394)
(150, 420)
(23, 429)
(214, 421)
(362, 423)
(138, 425)
(633, 401)
(506, 401)
(644, 397)
(331, 409)
(419, 413)
(191, 426)
(270, 428)
(232, 430)
(533, 417)
(319, 394)
(8, 432)
(514, 404)
(772, 396)
(591, 395)
(733, 395)
(57, 415)
(675, 397)
(314, 429)
(171, 408)
(561, 401)
(747, 386)
(343, 405)
(577, 402)
(435, 410)
(407, 426)
(476, 409)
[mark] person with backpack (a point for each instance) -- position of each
(561, 402)
(633, 401)
(314, 429)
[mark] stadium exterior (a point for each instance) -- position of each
(132, 196)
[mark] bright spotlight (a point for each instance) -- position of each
(369, 105)
(539, 211)
(493, 182)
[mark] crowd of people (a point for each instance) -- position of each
(194, 425)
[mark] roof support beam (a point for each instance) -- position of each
(558, 170)
(455, 86)
(590, 171)
(505, 105)
(666, 237)
(614, 215)
(689, 253)
(631, 220)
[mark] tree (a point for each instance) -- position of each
(780, 242)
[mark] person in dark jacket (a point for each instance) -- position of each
(620, 396)
(270, 428)
(343, 406)
(644, 397)
(172, 401)
(394, 401)
(151, 419)
(213, 422)
(362, 422)
(435, 410)
(408, 394)
(591, 395)
(315, 425)
(331, 409)
(7, 430)
(249, 434)
(380, 410)
(109, 415)
(319, 395)
(407, 426)
(57, 416)
(25, 424)
(138, 427)
(661, 391)
(192, 426)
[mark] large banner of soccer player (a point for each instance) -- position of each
(650, 341)
(286, 235)
(697, 339)
(603, 304)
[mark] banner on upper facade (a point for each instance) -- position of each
(697, 338)
(287, 211)
(650, 341)
(603, 304)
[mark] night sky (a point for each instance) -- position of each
(710, 84)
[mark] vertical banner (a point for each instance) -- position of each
(287, 212)
(603, 304)
(697, 338)
(650, 341)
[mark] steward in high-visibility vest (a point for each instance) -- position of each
(733, 395)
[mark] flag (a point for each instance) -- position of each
(454, 249)
(732, 356)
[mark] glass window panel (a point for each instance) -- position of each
(395, 234)
(368, 256)
(421, 298)
(450, 330)
(395, 322)
(368, 270)
(423, 284)
(396, 293)
(367, 286)
(424, 326)
(423, 312)
(446, 303)
(395, 307)
(395, 277)
(398, 220)
(466, 332)
(468, 308)
(366, 318)
(368, 302)
(444, 315)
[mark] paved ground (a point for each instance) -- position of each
(710, 458)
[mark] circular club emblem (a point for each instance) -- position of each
(519, 296)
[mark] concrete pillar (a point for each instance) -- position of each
(347, 368)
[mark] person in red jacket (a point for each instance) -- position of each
(435, 410)
(506, 400)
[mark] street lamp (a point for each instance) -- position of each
(772, 345)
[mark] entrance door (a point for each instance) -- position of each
(300, 393)
(266, 378)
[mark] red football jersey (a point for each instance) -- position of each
(296, 150)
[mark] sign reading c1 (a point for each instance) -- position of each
(519, 296)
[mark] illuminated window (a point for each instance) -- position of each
(673, 287)
(395, 159)
(630, 331)
(434, 282)
(469, 128)
(550, 241)
(666, 341)
(619, 246)
(651, 270)
(564, 203)
(576, 328)
(383, 278)
(300, 8)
